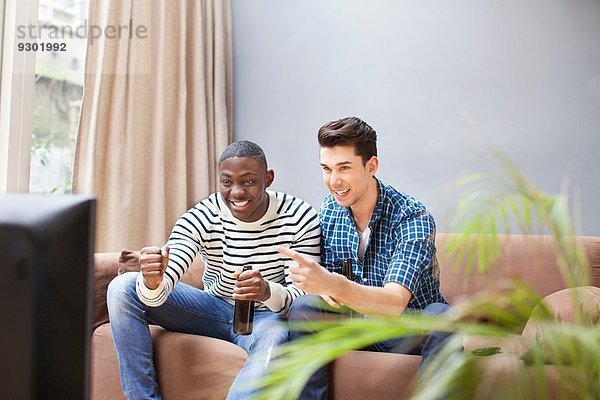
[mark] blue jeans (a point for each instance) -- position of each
(189, 310)
(310, 308)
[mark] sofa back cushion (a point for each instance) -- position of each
(531, 258)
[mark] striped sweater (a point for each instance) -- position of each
(210, 230)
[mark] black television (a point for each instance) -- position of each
(46, 256)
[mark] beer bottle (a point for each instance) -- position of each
(347, 272)
(243, 313)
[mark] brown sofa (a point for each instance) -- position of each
(194, 367)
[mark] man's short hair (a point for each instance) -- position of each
(350, 131)
(244, 148)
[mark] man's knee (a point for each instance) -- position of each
(121, 288)
(305, 308)
(268, 336)
(274, 333)
(436, 308)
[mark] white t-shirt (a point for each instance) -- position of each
(364, 237)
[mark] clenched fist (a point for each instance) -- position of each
(153, 262)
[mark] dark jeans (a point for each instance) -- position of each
(310, 308)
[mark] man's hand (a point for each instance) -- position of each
(250, 286)
(311, 277)
(331, 301)
(335, 289)
(153, 262)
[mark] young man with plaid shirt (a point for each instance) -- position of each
(387, 236)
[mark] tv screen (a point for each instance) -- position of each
(46, 256)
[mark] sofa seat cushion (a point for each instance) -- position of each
(364, 375)
(509, 345)
(503, 376)
(188, 366)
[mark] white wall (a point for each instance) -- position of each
(526, 72)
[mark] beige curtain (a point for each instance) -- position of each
(156, 114)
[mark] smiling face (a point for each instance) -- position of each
(349, 180)
(242, 183)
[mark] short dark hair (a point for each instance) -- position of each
(244, 148)
(350, 131)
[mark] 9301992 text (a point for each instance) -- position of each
(42, 46)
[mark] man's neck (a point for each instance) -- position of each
(363, 209)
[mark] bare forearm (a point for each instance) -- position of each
(312, 278)
(370, 300)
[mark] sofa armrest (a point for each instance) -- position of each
(106, 267)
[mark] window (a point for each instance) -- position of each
(57, 94)
(43, 59)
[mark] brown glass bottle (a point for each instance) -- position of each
(243, 313)
(347, 268)
(347, 272)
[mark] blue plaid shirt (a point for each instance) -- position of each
(401, 248)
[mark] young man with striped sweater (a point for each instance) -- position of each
(240, 225)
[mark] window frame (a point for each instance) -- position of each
(17, 79)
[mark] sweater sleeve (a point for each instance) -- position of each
(184, 244)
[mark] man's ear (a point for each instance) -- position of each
(270, 177)
(372, 165)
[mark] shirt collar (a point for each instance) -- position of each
(377, 211)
